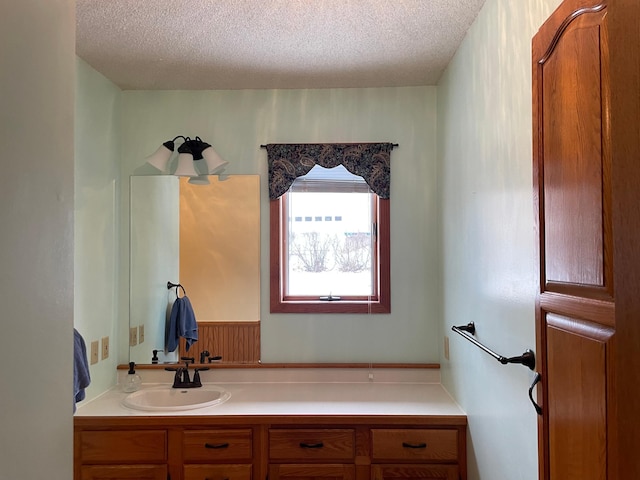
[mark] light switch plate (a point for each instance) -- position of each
(133, 336)
(446, 347)
(105, 347)
(94, 352)
(141, 334)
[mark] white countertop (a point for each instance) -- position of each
(264, 392)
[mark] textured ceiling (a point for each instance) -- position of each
(238, 44)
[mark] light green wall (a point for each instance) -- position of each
(97, 148)
(37, 48)
(462, 217)
(237, 122)
(484, 152)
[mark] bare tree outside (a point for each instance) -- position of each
(352, 252)
(329, 248)
(311, 251)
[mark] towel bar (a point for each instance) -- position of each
(528, 358)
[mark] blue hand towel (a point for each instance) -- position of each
(182, 323)
(81, 377)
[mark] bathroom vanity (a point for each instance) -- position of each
(350, 430)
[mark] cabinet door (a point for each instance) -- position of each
(414, 472)
(575, 314)
(124, 472)
(311, 472)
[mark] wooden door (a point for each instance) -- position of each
(579, 171)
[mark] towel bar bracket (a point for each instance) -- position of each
(528, 359)
(171, 285)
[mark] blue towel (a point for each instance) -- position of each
(182, 323)
(81, 377)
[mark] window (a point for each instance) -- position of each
(339, 262)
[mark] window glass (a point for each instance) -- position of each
(330, 258)
(333, 261)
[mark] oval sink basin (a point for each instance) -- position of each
(167, 398)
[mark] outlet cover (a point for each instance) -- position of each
(446, 347)
(105, 347)
(133, 336)
(141, 334)
(94, 352)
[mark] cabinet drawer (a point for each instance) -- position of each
(421, 472)
(217, 472)
(216, 445)
(409, 444)
(135, 446)
(321, 444)
(312, 472)
(122, 472)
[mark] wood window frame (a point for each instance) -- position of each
(380, 303)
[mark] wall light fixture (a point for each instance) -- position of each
(190, 151)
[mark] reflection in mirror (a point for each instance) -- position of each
(204, 237)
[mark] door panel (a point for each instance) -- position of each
(577, 398)
(572, 160)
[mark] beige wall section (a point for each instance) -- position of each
(37, 65)
(237, 122)
(485, 158)
(220, 248)
(97, 160)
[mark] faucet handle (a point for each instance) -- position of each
(188, 359)
(185, 375)
(196, 376)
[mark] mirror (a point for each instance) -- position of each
(204, 237)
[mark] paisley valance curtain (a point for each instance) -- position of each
(288, 161)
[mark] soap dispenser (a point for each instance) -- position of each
(133, 380)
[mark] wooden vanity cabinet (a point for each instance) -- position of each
(416, 453)
(217, 454)
(415, 472)
(273, 448)
(312, 453)
(124, 472)
(121, 454)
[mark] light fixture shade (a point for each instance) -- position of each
(185, 166)
(160, 158)
(199, 180)
(215, 163)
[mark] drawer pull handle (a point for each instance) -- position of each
(216, 446)
(414, 445)
(311, 445)
(207, 478)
